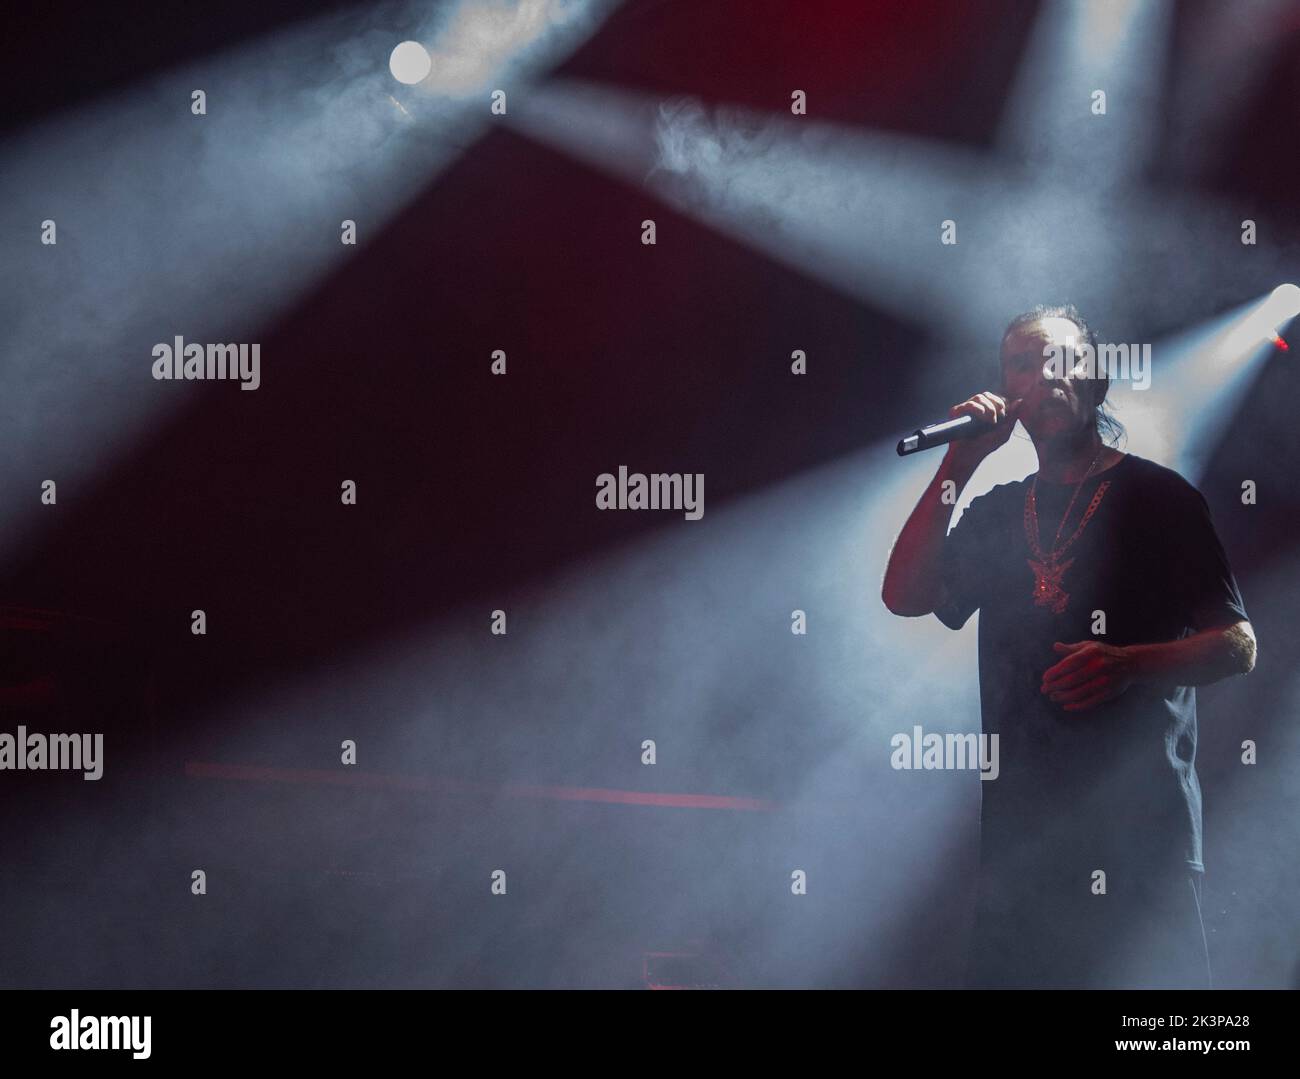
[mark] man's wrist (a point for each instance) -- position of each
(1143, 662)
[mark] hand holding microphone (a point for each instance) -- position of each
(973, 430)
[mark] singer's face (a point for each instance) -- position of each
(1052, 405)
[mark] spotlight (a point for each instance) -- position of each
(409, 63)
(1282, 306)
(1262, 324)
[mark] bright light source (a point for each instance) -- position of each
(1284, 303)
(1261, 324)
(409, 63)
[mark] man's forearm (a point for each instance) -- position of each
(1197, 660)
(911, 583)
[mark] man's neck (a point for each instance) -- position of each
(1067, 459)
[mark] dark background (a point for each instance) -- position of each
(473, 488)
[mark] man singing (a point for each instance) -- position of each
(1105, 596)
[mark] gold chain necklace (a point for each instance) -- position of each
(1048, 569)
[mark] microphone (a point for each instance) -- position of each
(940, 434)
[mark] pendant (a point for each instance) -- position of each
(1047, 584)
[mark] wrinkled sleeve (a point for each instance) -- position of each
(964, 564)
(1201, 577)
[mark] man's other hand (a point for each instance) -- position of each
(1090, 674)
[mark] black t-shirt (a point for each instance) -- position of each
(1113, 787)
